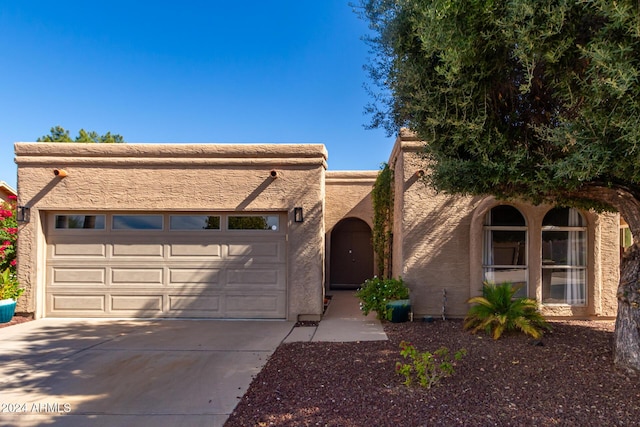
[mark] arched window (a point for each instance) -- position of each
(504, 257)
(564, 257)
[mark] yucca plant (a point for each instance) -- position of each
(497, 311)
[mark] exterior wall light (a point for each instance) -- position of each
(23, 214)
(298, 215)
(60, 173)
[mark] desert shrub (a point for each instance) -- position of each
(427, 368)
(497, 311)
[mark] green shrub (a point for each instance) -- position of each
(376, 293)
(427, 368)
(496, 311)
(9, 287)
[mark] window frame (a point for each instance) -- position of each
(79, 229)
(582, 268)
(502, 267)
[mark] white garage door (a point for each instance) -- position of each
(166, 265)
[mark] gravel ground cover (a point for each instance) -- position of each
(16, 320)
(566, 379)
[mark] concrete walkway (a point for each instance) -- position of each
(342, 322)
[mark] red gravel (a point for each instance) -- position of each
(17, 319)
(570, 380)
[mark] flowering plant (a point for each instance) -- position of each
(8, 235)
(376, 293)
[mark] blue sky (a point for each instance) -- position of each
(282, 71)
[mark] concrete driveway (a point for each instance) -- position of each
(70, 372)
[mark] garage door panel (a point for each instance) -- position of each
(62, 304)
(137, 250)
(256, 251)
(190, 250)
(131, 276)
(255, 305)
(77, 276)
(61, 250)
(194, 304)
(137, 303)
(182, 276)
(256, 278)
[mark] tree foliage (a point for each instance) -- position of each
(530, 99)
(60, 134)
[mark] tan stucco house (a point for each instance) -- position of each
(264, 231)
(5, 191)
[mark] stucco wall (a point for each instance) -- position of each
(348, 195)
(432, 238)
(177, 177)
(438, 244)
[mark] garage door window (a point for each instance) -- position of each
(87, 222)
(137, 222)
(194, 222)
(254, 222)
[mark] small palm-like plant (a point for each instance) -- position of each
(497, 311)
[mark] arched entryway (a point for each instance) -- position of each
(351, 254)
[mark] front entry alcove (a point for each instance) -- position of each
(351, 254)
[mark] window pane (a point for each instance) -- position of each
(505, 215)
(254, 222)
(194, 222)
(516, 276)
(508, 247)
(91, 222)
(564, 286)
(137, 222)
(564, 248)
(563, 217)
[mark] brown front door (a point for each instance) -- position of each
(351, 254)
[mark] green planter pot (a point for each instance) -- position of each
(7, 309)
(399, 310)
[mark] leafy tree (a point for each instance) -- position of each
(60, 134)
(531, 99)
(497, 311)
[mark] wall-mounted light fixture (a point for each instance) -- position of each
(298, 215)
(273, 174)
(60, 173)
(23, 214)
